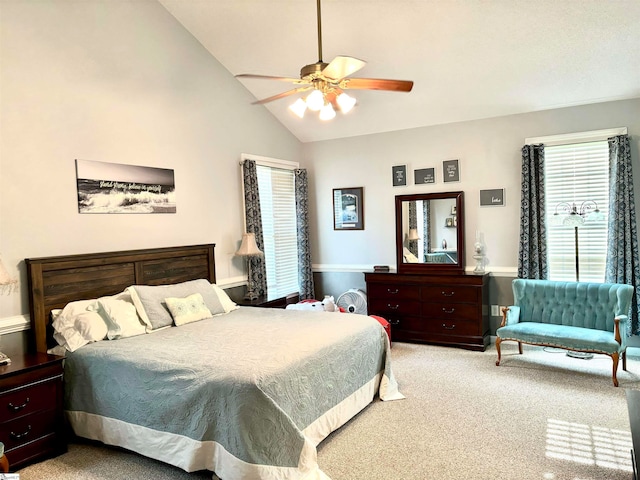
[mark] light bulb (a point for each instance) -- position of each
(327, 112)
(315, 100)
(346, 102)
(299, 107)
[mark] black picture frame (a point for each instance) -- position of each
(424, 175)
(348, 208)
(399, 173)
(450, 171)
(492, 197)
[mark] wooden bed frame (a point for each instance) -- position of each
(56, 281)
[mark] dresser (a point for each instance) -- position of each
(440, 308)
(31, 418)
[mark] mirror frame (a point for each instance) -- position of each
(426, 268)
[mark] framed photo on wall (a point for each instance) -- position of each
(399, 173)
(451, 171)
(348, 208)
(424, 175)
(492, 198)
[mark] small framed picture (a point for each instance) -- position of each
(399, 173)
(424, 175)
(348, 211)
(492, 198)
(449, 222)
(453, 210)
(451, 171)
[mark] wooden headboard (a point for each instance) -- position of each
(56, 281)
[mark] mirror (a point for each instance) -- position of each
(430, 232)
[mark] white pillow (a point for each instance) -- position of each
(188, 309)
(226, 302)
(76, 325)
(120, 317)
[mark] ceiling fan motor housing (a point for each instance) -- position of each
(313, 70)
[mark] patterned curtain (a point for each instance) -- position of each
(426, 226)
(623, 263)
(532, 257)
(412, 245)
(254, 224)
(305, 273)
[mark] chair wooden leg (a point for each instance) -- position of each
(520, 347)
(615, 357)
(4, 464)
(498, 340)
(624, 360)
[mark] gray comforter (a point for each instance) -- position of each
(259, 383)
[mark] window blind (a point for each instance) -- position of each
(577, 174)
(278, 206)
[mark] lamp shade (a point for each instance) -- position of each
(249, 247)
(413, 234)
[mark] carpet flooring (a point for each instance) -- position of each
(541, 415)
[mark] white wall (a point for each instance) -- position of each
(120, 82)
(490, 157)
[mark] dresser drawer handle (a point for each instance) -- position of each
(448, 294)
(18, 436)
(15, 408)
(393, 292)
(393, 307)
(394, 321)
(448, 311)
(448, 327)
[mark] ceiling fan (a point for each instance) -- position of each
(328, 82)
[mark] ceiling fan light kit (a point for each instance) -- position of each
(327, 82)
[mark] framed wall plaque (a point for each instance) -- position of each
(492, 198)
(348, 211)
(451, 171)
(424, 175)
(399, 175)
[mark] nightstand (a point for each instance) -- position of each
(31, 417)
(269, 301)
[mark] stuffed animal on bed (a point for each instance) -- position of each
(326, 305)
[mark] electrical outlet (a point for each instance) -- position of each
(495, 312)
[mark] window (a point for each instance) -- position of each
(279, 227)
(576, 185)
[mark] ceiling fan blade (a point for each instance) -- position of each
(281, 95)
(269, 77)
(377, 84)
(341, 67)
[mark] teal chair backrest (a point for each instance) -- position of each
(577, 304)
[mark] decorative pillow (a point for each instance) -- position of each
(76, 325)
(226, 302)
(152, 308)
(120, 317)
(188, 309)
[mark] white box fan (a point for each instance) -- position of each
(353, 300)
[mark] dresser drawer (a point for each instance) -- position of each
(26, 400)
(28, 428)
(450, 294)
(452, 327)
(393, 291)
(388, 307)
(450, 311)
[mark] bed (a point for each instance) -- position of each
(247, 393)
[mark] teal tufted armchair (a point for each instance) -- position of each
(578, 316)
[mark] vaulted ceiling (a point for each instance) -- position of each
(469, 59)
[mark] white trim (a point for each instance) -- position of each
(324, 267)
(270, 162)
(17, 323)
(578, 137)
(231, 282)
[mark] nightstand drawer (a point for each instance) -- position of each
(24, 401)
(27, 429)
(450, 294)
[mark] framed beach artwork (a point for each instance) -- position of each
(117, 188)
(348, 212)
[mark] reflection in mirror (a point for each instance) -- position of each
(430, 231)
